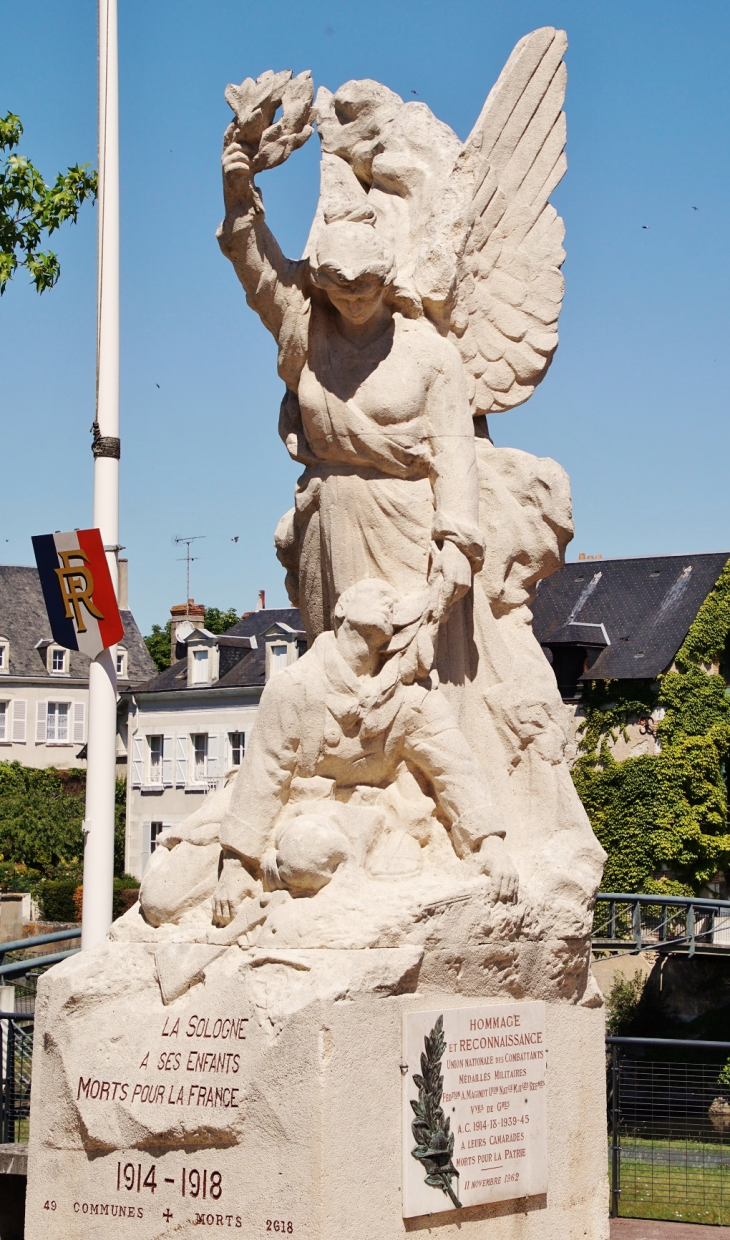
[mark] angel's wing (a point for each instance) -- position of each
(509, 286)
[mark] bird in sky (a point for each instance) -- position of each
(236, 538)
(157, 385)
(695, 208)
(644, 225)
(414, 92)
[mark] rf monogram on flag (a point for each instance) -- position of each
(78, 591)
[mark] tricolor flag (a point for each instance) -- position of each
(78, 591)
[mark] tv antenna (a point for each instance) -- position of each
(188, 558)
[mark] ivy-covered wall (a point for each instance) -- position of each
(663, 818)
(41, 812)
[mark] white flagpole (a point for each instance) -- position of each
(101, 749)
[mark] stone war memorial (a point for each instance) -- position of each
(355, 1000)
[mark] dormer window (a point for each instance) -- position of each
(200, 667)
(4, 656)
(202, 658)
(121, 663)
(57, 661)
(283, 647)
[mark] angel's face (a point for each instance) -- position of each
(358, 300)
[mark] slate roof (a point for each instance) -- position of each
(645, 605)
(249, 671)
(23, 621)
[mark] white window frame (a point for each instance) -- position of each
(155, 750)
(232, 747)
(122, 658)
(201, 667)
(54, 650)
(56, 740)
(5, 723)
(279, 656)
(149, 842)
(198, 779)
(4, 656)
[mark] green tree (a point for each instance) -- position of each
(158, 644)
(217, 621)
(30, 209)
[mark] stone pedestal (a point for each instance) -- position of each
(267, 1097)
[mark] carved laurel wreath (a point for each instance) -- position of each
(431, 1128)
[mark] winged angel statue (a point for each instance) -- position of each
(428, 297)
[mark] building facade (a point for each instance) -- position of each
(44, 689)
(619, 621)
(188, 727)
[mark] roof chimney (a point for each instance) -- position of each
(192, 611)
(261, 605)
(123, 586)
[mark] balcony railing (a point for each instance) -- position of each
(627, 921)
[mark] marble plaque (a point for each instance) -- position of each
(474, 1113)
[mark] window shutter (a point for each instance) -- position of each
(41, 718)
(137, 761)
(79, 723)
(181, 771)
(167, 761)
(212, 761)
(146, 845)
(19, 718)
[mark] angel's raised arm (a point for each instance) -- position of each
(275, 285)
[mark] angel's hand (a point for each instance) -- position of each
(234, 885)
(497, 863)
(237, 176)
(454, 568)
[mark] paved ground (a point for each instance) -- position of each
(650, 1229)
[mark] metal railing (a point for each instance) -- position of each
(669, 1130)
(18, 968)
(661, 923)
(16, 1057)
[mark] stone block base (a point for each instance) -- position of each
(266, 1100)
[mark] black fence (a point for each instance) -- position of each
(16, 1056)
(669, 1130)
(16, 1027)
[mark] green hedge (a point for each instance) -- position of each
(60, 899)
(56, 899)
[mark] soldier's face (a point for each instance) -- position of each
(370, 612)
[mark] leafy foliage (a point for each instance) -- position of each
(158, 644)
(217, 621)
(41, 812)
(431, 1128)
(29, 209)
(622, 1002)
(663, 818)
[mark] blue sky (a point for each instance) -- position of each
(635, 404)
